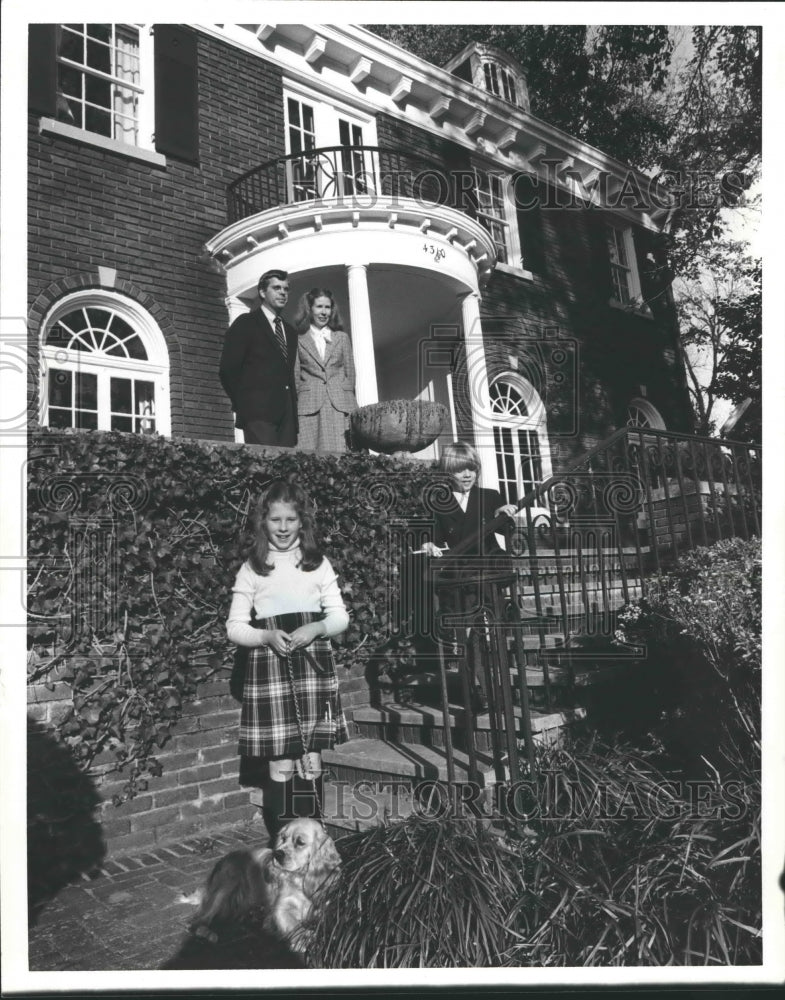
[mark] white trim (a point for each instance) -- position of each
(430, 85)
(632, 308)
(519, 272)
(155, 369)
(636, 304)
(147, 104)
(653, 415)
(323, 95)
(319, 233)
(536, 419)
(145, 121)
(50, 126)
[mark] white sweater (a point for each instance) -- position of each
(285, 589)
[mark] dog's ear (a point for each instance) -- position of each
(324, 861)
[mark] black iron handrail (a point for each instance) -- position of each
(627, 509)
(535, 496)
(359, 175)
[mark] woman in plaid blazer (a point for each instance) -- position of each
(324, 374)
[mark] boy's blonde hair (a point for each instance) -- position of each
(457, 456)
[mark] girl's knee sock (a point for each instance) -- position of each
(308, 796)
(276, 809)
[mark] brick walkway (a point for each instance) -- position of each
(129, 915)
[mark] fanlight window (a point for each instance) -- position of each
(640, 413)
(507, 400)
(516, 434)
(102, 370)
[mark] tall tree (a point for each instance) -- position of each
(720, 312)
(697, 125)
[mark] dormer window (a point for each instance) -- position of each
(499, 81)
(492, 71)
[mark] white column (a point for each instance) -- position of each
(362, 335)
(236, 307)
(479, 395)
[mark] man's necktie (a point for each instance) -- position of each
(279, 336)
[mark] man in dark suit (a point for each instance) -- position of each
(257, 367)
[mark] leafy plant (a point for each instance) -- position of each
(637, 867)
(134, 543)
(420, 893)
(701, 625)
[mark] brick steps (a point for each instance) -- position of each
(424, 724)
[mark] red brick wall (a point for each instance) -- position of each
(89, 207)
(198, 790)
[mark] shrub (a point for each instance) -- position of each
(701, 626)
(133, 546)
(636, 867)
(419, 893)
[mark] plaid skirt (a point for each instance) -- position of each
(268, 718)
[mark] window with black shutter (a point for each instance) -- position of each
(42, 69)
(132, 85)
(529, 195)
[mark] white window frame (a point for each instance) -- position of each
(144, 147)
(504, 79)
(327, 113)
(622, 236)
(534, 421)
(652, 418)
(155, 369)
(509, 220)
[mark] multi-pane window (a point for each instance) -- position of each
(641, 413)
(518, 454)
(99, 374)
(620, 267)
(352, 157)
(99, 80)
(499, 81)
(73, 399)
(326, 158)
(301, 138)
(625, 281)
(518, 462)
(492, 213)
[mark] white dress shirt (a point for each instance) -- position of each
(321, 337)
(462, 499)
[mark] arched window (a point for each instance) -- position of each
(105, 366)
(640, 413)
(520, 436)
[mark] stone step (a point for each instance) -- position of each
(366, 759)
(424, 724)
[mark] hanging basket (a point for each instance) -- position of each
(398, 425)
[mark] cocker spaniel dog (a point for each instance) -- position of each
(281, 881)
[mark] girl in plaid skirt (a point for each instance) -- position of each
(285, 607)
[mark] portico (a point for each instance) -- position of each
(407, 275)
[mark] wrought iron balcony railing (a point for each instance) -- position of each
(362, 176)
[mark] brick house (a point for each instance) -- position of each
(482, 258)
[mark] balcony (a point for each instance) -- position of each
(393, 235)
(362, 188)
(358, 175)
